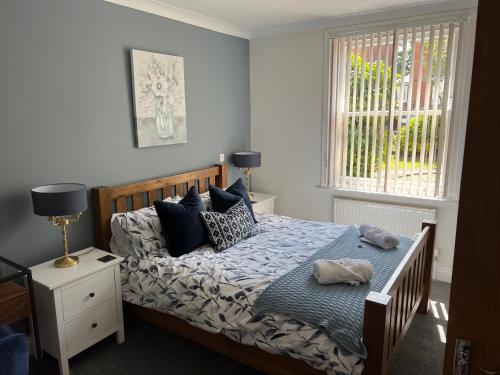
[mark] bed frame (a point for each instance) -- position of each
(388, 314)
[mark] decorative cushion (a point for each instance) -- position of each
(223, 200)
(14, 353)
(182, 226)
(228, 228)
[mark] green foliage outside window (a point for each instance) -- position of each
(369, 70)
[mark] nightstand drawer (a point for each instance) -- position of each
(90, 325)
(88, 294)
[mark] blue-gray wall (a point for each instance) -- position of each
(66, 107)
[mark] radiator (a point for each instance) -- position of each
(406, 221)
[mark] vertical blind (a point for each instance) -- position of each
(391, 103)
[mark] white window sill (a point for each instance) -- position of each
(391, 198)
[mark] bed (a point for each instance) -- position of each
(221, 318)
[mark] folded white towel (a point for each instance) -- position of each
(378, 237)
(364, 239)
(349, 271)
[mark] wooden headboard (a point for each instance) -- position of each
(107, 200)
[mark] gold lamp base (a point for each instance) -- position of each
(66, 262)
(248, 174)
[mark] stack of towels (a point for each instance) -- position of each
(354, 271)
(379, 237)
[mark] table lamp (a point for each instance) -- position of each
(247, 160)
(63, 204)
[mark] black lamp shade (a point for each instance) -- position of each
(59, 199)
(246, 159)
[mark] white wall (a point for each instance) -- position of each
(286, 109)
(286, 80)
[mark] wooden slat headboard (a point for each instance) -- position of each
(107, 200)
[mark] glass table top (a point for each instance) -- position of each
(9, 271)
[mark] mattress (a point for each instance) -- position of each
(215, 291)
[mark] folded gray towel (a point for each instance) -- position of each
(378, 236)
(345, 270)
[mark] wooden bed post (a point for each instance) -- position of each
(376, 332)
(388, 314)
(423, 308)
(221, 179)
(101, 203)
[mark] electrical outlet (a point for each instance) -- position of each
(221, 158)
(462, 357)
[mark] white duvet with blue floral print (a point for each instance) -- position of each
(215, 291)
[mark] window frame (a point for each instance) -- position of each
(458, 120)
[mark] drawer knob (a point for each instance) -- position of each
(92, 294)
(94, 325)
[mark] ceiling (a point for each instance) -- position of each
(246, 18)
(256, 14)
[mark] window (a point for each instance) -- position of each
(391, 102)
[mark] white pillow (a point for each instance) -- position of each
(136, 232)
(175, 199)
(207, 203)
(139, 232)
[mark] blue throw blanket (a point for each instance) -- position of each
(337, 309)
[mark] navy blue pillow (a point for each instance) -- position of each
(222, 200)
(181, 223)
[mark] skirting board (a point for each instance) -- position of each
(442, 274)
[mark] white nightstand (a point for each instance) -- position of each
(262, 203)
(78, 306)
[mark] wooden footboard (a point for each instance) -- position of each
(388, 314)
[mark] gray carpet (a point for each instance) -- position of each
(422, 351)
(148, 350)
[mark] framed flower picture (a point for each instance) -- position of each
(159, 98)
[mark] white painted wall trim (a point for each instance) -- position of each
(390, 198)
(182, 15)
(423, 8)
(197, 19)
(400, 22)
(460, 112)
(442, 274)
